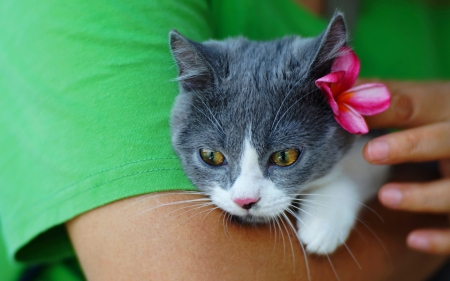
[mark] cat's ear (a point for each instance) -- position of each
(194, 71)
(329, 43)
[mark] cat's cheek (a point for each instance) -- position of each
(273, 202)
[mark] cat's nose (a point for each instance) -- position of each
(246, 203)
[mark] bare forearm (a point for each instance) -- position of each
(129, 240)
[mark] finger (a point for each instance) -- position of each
(435, 241)
(426, 143)
(432, 197)
(414, 104)
(444, 168)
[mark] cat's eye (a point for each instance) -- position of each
(211, 157)
(285, 157)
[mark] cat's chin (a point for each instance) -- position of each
(250, 219)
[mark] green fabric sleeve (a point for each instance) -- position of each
(8, 270)
(86, 94)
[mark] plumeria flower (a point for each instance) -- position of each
(350, 103)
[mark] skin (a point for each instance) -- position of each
(423, 111)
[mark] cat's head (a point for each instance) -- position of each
(251, 128)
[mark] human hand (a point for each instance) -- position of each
(423, 110)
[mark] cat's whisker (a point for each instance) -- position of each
(191, 208)
(297, 83)
(321, 204)
(187, 201)
(378, 239)
(296, 217)
(274, 221)
(300, 242)
(312, 206)
(300, 209)
(297, 101)
(221, 216)
(209, 213)
(225, 223)
(308, 273)
(284, 100)
(288, 221)
(147, 210)
(339, 197)
(328, 257)
(351, 253)
(283, 219)
(157, 195)
(270, 227)
(218, 126)
(337, 235)
(272, 224)
(330, 206)
(192, 201)
(230, 220)
(355, 216)
(282, 236)
(186, 209)
(197, 213)
(214, 120)
(225, 219)
(317, 204)
(210, 112)
(195, 208)
(332, 268)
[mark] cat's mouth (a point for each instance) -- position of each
(249, 219)
(272, 203)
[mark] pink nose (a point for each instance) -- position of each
(246, 203)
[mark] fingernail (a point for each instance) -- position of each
(378, 150)
(418, 242)
(391, 196)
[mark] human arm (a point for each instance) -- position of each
(132, 240)
(423, 109)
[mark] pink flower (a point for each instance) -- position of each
(350, 103)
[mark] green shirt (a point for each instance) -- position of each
(86, 92)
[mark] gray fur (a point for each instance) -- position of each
(230, 89)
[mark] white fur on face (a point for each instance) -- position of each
(251, 180)
(251, 184)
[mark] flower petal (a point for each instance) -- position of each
(349, 63)
(325, 84)
(351, 120)
(367, 99)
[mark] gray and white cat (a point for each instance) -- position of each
(256, 135)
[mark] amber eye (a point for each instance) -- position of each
(285, 157)
(213, 158)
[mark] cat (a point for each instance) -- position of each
(255, 134)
